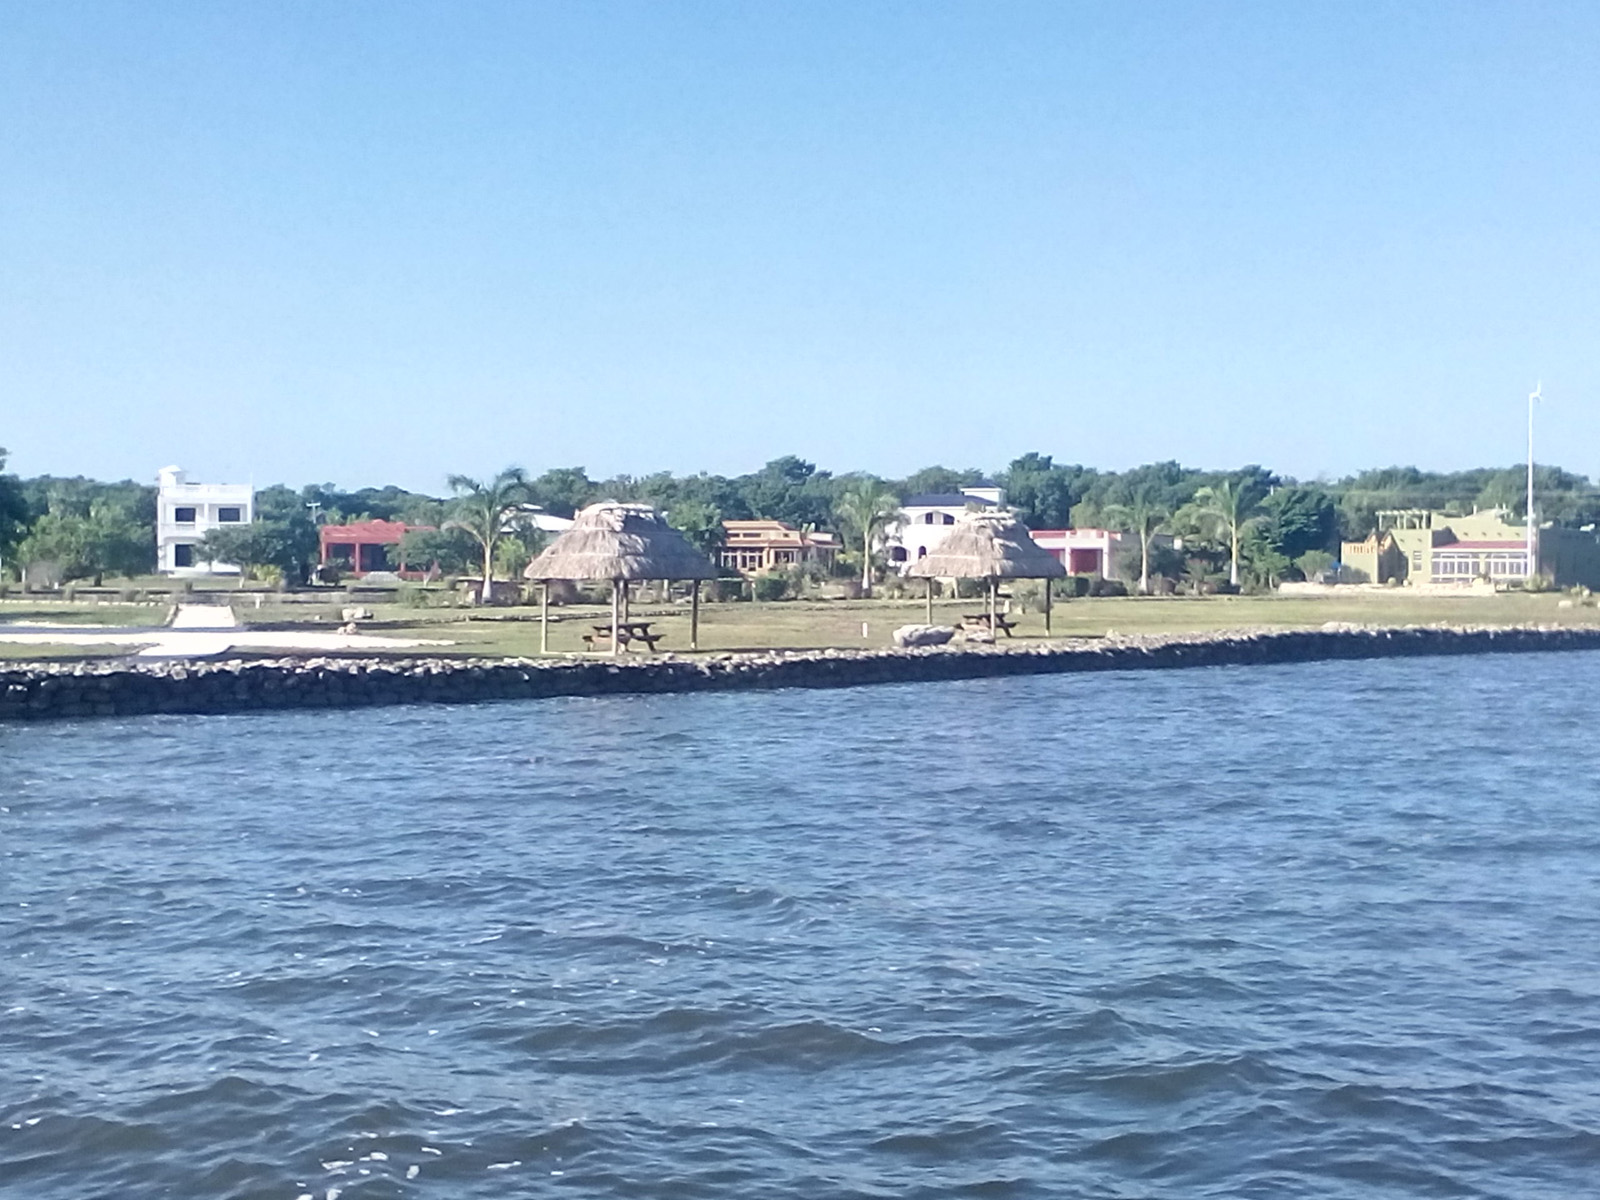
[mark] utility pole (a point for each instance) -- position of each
(1530, 550)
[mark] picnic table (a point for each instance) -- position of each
(628, 632)
(1001, 623)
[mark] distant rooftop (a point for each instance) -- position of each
(946, 500)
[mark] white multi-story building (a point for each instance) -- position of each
(186, 511)
(926, 519)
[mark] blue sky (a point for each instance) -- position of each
(382, 242)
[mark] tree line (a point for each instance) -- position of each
(1244, 526)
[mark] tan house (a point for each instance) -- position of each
(751, 547)
(1420, 546)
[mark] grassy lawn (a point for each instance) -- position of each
(803, 625)
(816, 625)
(13, 653)
(29, 612)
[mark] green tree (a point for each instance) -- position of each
(699, 522)
(1313, 563)
(450, 550)
(562, 491)
(1264, 565)
(1042, 493)
(865, 506)
(1229, 506)
(484, 511)
(287, 526)
(252, 547)
(1144, 513)
(939, 481)
(104, 539)
(1298, 519)
(14, 510)
(517, 549)
(789, 489)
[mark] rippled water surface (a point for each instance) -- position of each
(1325, 930)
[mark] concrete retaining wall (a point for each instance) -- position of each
(33, 691)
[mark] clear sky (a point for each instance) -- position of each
(381, 242)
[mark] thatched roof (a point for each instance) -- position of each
(609, 540)
(987, 545)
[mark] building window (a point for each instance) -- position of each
(230, 516)
(948, 519)
(183, 516)
(927, 518)
(183, 553)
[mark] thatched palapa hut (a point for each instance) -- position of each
(621, 543)
(991, 546)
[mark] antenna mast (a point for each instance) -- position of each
(1532, 562)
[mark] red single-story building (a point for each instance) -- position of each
(362, 546)
(1081, 551)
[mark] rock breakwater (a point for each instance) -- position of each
(33, 691)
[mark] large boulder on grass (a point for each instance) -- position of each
(908, 636)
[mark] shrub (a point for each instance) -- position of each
(770, 585)
(411, 595)
(1027, 595)
(1108, 587)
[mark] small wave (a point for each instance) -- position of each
(950, 1143)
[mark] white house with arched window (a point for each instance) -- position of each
(926, 519)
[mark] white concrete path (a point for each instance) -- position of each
(205, 631)
(204, 616)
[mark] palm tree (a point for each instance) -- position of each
(1230, 507)
(866, 506)
(482, 510)
(1146, 515)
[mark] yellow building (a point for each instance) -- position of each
(751, 547)
(1422, 546)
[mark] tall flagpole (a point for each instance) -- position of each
(1531, 561)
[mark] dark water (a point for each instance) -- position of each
(1326, 930)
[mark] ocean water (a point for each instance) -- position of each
(1326, 930)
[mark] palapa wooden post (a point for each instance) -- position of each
(694, 617)
(930, 599)
(616, 614)
(1047, 608)
(544, 616)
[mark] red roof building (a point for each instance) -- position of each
(362, 546)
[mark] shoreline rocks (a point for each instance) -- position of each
(42, 690)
